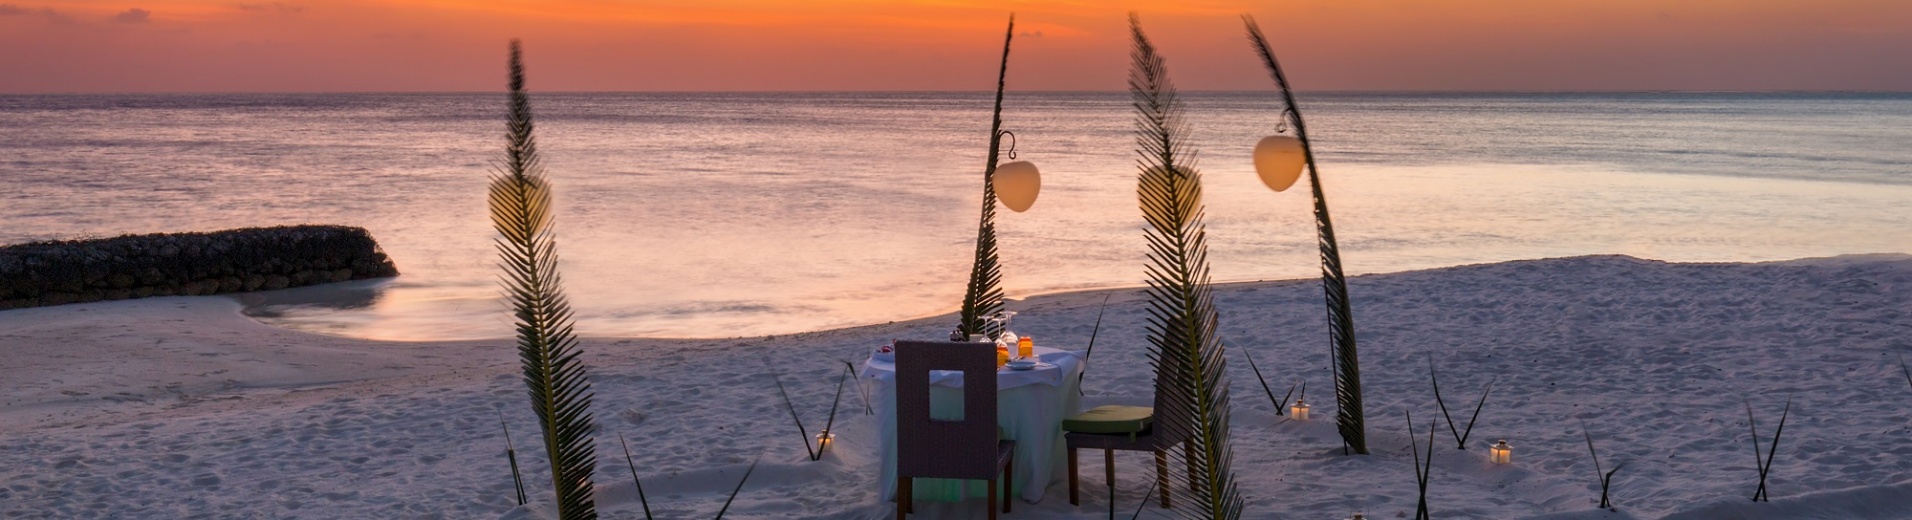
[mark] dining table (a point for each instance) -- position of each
(1031, 405)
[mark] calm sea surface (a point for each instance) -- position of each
(707, 215)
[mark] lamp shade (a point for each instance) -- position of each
(1017, 184)
(1278, 160)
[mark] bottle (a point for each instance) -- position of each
(1026, 346)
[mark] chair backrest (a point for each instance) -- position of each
(935, 448)
(1170, 426)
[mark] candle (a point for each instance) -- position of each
(824, 440)
(1025, 346)
(1300, 410)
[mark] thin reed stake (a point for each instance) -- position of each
(740, 486)
(1907, 371)
(1766, 465)
(1605, 477)
(1093, 332)
(1422, 471)
(641, 499)
(1264, 382)
(1469, 432)
(860, 390)
(1758, 462)
(511, 454)
(832, 422)
(1460, 437)
(793, 416)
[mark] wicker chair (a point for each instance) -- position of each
(932, 448)
(1162, 434)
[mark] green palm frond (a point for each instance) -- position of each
(983, 296)
(520, 201)
(1347, 365)
(1186, 353)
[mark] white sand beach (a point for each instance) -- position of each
(183, 408)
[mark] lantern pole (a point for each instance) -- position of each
(1347, 367)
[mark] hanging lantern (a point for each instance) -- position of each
(1017, 184)
(1501, 453)
(1278, 160)
(1300, 410)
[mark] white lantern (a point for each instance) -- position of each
(1278, 160)
(824, 440)
(1501, 453)
(1299, 411)
(1017, 184)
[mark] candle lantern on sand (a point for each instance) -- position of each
(1501, 453)
(824, 440)
(1299, 411)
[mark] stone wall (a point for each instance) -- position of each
(186, 264)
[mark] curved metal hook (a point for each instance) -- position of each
(1287, 115)
(1012, 143)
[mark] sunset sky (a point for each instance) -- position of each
(790, 45)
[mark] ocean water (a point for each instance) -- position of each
(742, 214)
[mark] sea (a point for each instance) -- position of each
(759, 214)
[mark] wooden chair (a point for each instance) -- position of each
(1118, 428)
(969, 448)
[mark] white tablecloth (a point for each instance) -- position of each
(1030, 407)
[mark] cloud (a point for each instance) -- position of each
(134, 15)
(12, 10)
(279, 7)
(1027, 34)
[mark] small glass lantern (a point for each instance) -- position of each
(1358, 516)
(824, 440)
(1299, 411)
(1500, 453)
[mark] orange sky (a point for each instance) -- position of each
(730, 45)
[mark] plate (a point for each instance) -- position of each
(1022, 365)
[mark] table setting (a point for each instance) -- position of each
(1037, 387)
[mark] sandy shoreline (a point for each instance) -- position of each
(174, 407)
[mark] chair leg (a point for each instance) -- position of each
(1194, 484)
(1075, 498)
(991, 505)
(1009, 482)
(1161, 476)
(1108, 461)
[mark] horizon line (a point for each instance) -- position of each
(1206, 91)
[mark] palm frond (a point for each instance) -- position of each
(983, 296)
(1185, 350)
(1347, 365)
(520, 203)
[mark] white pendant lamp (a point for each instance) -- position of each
(1278, 160)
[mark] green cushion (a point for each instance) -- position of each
(1111, 419)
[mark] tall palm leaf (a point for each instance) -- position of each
(1347, 365)
(1186, 354)
(983, 295)
(520, 201)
